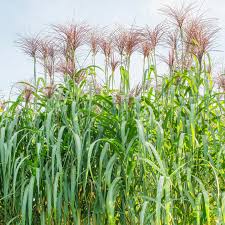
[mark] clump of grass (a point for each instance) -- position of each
(76, 151)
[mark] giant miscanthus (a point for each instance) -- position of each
(93, 43)
(119, 41)
(47, 55)
(30, 45)
(177, 15)
(113, 63)
(132, 42)
(200, 36)
(151, 39)
(106, 47)
(70, 37)
(66, 68)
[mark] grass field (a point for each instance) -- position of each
(74, 150)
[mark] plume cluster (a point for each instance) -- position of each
(186, 35)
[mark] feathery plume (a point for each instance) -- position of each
(29, 45)
(200, 36)
(178, 14)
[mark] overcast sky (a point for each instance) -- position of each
(23, 16)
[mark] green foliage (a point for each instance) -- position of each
(79, 157)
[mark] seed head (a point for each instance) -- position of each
(66, 68)
(132, 41)
(114, 62)
(93, 42)
(178, 14)
(221, 82)
(29, 45)
(27, 93)
(105, 44)
(49, 90)
(71, 37)
(200, 36)
(145, 48)
(120, 39)
(153, 36)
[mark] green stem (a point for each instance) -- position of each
(35, 73)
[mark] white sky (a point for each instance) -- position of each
(22, 16)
